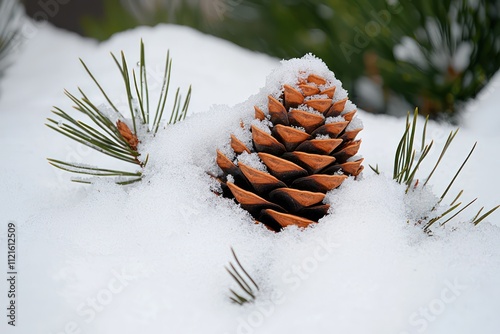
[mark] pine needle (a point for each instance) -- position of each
(443, 152)
(375, 169)
(433, 220)
(243, 280)
(424, 132)
(457, 173)
(480, 219)
(478, 213)
(99, 86)
(456, 198)
(109, 136)
(458, 212)
(406, 167)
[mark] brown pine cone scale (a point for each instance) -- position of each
(307, 151)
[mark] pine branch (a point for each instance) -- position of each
(406, 166)
(109, 132)
(244, 281)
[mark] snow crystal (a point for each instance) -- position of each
(336, 119)
(298, 69)
(112, 115)
(227, 150)
(316, 97)
(340, 94)
(354, 158)
(322, 137)
(349, 106)
(263, 125)
(252, 160)
(299, 128)
(355, 124)
(419, 202)
(244, 135)
(305, 107)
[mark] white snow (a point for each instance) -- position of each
(336, 119)
(305, 107)
(349, 106)
(252, 160)
(355, 124)
(264, 125)
(149, 258)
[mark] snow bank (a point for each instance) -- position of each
(150, 257)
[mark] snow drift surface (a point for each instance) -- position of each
(151, 257)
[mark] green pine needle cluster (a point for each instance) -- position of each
(244, 281)
(406, 165)
(110, 133)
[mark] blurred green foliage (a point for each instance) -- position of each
(116, 19)
(10, 12)
(433, 54)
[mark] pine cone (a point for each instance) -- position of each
(307, 145)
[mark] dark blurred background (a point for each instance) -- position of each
(65, 15)
(392, 55)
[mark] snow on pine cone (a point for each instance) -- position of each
(306, 142)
